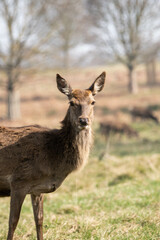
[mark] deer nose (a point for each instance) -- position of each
(84, 121)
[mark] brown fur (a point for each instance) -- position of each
(78, 94)
(36, 160)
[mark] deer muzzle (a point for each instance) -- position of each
(83, 122)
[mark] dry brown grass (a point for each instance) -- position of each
(42, 103)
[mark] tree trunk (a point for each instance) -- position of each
(151, 73)
(153, 67)
(148, 73)
(132, 84)
(13, 105)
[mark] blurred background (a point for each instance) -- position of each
(79, 39)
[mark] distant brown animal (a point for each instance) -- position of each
(110, 128)
(36, 160)
(144, 113)
(116, 127)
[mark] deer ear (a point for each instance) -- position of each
(98, 84)
(63, 85)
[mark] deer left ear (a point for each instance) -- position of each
(63, 85)
(98, 84)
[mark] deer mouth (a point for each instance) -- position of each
(80, 127)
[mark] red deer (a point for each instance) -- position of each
(36, 160)
(110, 128)
(117, 127)
(144, 113)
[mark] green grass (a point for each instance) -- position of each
(110, 199)
(117, 198)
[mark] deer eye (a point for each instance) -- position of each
(93, 102)
(71, 103)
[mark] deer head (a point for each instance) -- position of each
(81, 101)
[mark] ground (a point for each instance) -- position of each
(116, 197)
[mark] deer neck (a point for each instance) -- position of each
(78, 142)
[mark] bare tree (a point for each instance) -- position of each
(70, 29)
(22, 33)
(123, 28)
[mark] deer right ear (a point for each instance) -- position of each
(63, 85)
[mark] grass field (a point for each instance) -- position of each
(114, 198)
